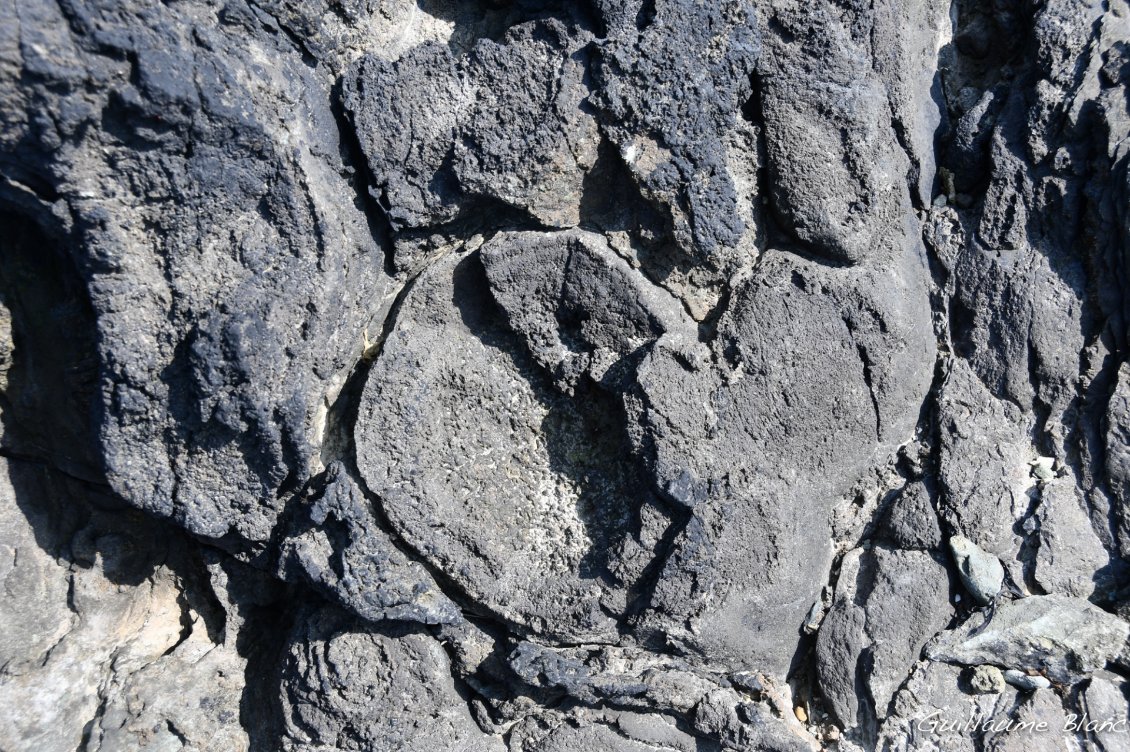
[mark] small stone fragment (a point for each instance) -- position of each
(981, 572)
(1025, 682)
(1043, 468)
(987, 679)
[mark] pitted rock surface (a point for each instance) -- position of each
(532, 375)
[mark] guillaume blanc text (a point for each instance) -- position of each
(938, 723)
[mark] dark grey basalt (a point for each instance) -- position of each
(339, 548)
(581, 310)
(836, 195)
(629, 374)
(505, 122)
(888, 604)
(672, 129)
(756, 414)
(334, 675)
(195, 177)
(487, 472)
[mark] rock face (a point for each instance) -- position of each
(888, 604)
(113, 638)
(627, 374)
(1064, 638)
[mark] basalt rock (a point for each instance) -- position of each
(1065, 639)
(535, 375)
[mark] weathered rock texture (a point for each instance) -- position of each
(613, 375)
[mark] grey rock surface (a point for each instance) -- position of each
(337, 547)
(838, 196)
(932, 711)
(112, 633)
(1065, 638)
(1071, 558)
(683, 138)
(205, 165)
(887, 605)
(515, 497)
(367, 689)
(502, 123)
(910, 522)
(532, 375)
(733, 435)
(1104, 707)
(587, 731)
(1039, 710)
